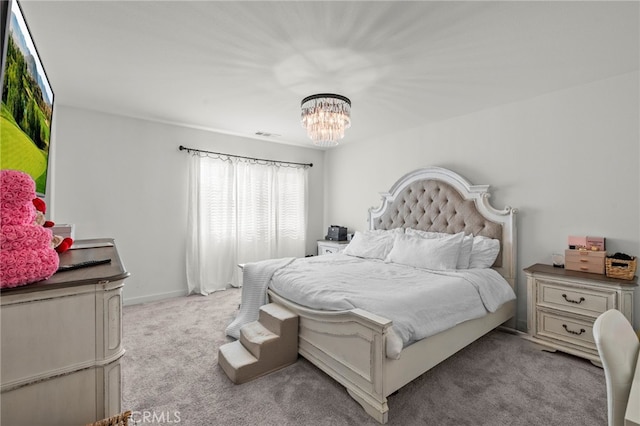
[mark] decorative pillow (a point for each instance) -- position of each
(374, 244)
(484, 252)
(465, 248)
(428, 253)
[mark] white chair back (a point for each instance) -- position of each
(618, 347)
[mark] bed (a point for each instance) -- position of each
(352, 346)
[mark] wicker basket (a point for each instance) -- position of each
(121, 419)
(621, 269)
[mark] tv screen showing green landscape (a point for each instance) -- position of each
(27, 105)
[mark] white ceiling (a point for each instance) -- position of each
(243, 67)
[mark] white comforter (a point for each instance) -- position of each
(420, 302)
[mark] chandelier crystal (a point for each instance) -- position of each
(326, 116)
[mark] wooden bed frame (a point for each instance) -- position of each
(350, 346)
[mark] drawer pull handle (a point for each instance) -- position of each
(577, 333)
(573, 301)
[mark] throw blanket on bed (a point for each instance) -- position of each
(255, 280)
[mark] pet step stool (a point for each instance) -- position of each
(266, 345)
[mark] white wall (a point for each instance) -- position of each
(569, 161)
(125, 178)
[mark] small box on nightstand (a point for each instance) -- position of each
(585, 261)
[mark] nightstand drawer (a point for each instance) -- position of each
(330, 247)
(576, 331)
(589, 302)
(324, 249)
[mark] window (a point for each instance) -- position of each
(239, 212)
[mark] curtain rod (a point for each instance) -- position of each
(184, 148)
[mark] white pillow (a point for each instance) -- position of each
(465, 248)
(484, 252)
(464, 258)
(425, 234)
(375, 244)
(428, 253)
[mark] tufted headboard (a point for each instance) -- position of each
(439, 200)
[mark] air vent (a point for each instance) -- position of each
(267, 134)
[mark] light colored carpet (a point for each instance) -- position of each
(171, 375)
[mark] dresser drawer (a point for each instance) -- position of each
(584, 261)
(590, 302)
(571, 330)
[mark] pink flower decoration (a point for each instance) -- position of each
(26, 252)
(17, 215)
(18, 237)
(16, 187)
(20, 267)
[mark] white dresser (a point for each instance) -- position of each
(328, 246)
(563, 305)
(62, 343)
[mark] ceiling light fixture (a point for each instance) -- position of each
(326, 116)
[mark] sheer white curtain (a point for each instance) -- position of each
(241, 212)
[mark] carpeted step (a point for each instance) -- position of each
(254, 336)
(266, 345)
(237, 362)
(281, 321)
(274, 317)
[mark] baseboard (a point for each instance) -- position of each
(512, 331)
(153, 297)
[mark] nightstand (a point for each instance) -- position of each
(328, 247)
(562, 306)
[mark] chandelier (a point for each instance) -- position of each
(326, 116)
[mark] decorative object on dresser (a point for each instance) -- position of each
(585, 254)
(621, 266)
(557, 260)
(61, 342)
(26, 253)
(585, 261)
(587, 243)
(329, 247)
(563, 305)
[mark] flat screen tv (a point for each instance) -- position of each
(27, 101)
